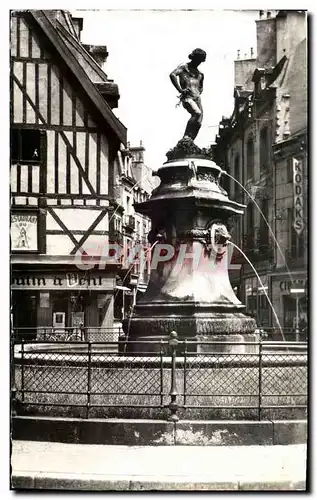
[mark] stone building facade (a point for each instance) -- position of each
(263, 146)
(132, 184)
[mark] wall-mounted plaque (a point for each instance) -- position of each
(24, 230)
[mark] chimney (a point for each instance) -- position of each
(98, 52)
(266, 42)
(243, 71)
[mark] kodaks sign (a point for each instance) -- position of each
(298, 222)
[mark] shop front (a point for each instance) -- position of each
(62, 301)
(257, 304)
(290, 300)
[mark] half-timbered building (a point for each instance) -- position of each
(64, 140)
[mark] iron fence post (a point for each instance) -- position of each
(185, 360)
(173, 406)
(88, 380)
(260, 377)
(22, 370)
(13, 386)
(14, 400)
(161, 372)
(81, 331)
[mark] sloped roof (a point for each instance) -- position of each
(82, 65)
(87, 62)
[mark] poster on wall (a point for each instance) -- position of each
(78, 319)
(45, 299)
(24, 232)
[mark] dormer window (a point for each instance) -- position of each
(262, 82)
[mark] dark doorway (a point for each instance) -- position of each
(24, 307)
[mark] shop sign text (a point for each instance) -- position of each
(298, 222)
(72, 281)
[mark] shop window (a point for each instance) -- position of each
(263, 308)
(256, 300)
(264, 149)
(24, 306)
(289, 306)
(25, 146)
(251, 305)
(250, 157)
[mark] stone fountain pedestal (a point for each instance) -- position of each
(189, 289)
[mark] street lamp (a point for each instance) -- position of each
(297, 292)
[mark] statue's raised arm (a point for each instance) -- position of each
(188, 80)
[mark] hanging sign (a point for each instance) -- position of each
(298, 222)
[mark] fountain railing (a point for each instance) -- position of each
(174, 381)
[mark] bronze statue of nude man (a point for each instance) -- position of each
(188, 80)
